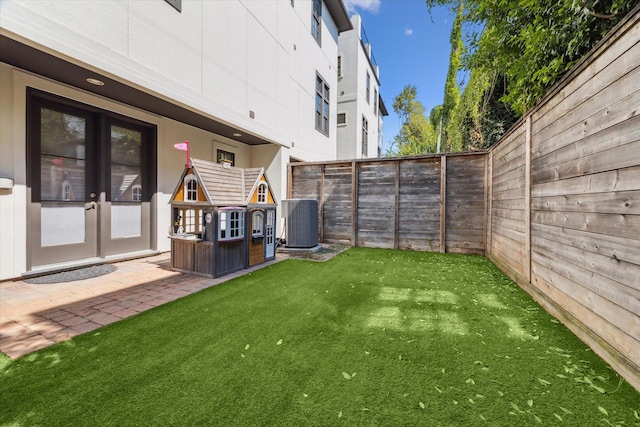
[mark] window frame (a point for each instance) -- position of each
(368, 87)
(190, 220)
(316, 21)
(188, 191)
(262, 193)
(375, 102)
(136, 193)
(365, 137)
(344, 122)
(339, 66)
(322, 105)
(257, 218)
(230, 229)
(226, 156)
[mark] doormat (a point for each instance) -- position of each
(72, 275)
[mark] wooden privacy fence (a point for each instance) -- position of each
(432, 203)
(555, 204)
(564, 200)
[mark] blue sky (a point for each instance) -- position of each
(411, 46)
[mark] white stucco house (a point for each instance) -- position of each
(95, 94)
(360, 106)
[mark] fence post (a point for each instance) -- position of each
(443, 203)
(489, 202)
(396, 228)
(527, 198)
(321, 203)
(354, 203)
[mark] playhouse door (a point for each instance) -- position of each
(87, 179)
(269, 235)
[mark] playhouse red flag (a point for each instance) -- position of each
(184, 146)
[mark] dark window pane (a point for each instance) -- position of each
(62, 134)
(123, 180)
(126, 145)
(62, 159)
(126, 170)
(61, 179)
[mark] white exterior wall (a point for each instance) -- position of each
(221, 59)
(352, 99)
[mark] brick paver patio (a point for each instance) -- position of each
(34, 316)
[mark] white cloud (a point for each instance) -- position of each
(408, 32)
(372, 6)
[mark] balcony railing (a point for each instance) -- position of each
(367, 46)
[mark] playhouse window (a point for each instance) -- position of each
(257, 222)
(136, 193)
(67, 193)
(230, 225)
(190, 188)
(192, 221)
(262, 193)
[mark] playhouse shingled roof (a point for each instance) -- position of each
(224, 185)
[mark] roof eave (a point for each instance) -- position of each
(339, 14)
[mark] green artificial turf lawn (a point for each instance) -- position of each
(371, 337)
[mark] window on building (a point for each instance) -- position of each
(365, 136)
(230, 225)
(322, 105)
(315, 20)
(262, 193)
(368, 86)
(342, 119)
(190, 188)
(257, 224)
(225, 156)
(339, 65)
(375, 102)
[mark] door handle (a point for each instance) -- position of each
(92, 205)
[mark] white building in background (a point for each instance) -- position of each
(95, 94)
(360, 106)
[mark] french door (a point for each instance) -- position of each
(91, 178)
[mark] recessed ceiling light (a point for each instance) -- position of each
(95, 81)
(237, 134)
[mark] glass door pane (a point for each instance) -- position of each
(126, 182)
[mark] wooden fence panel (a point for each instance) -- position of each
(305, 181)
(465, 204)
(337, 202)
(508, 203)
(375, 221)
(585, 202)
(419, 205)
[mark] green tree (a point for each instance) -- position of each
(451, 89)
(522, 49)
(480, 119)
(416, 135)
